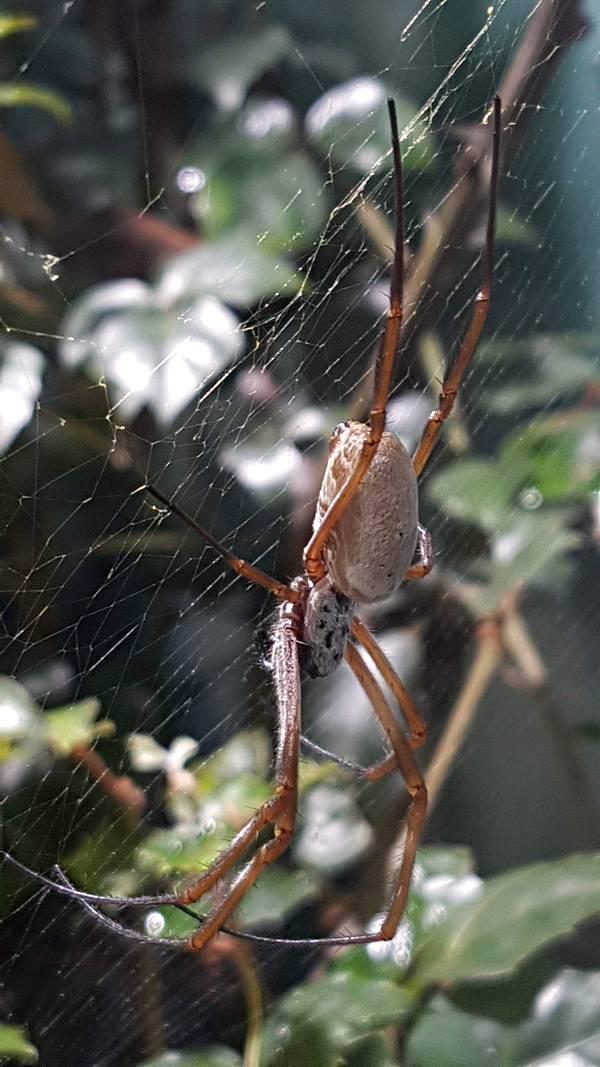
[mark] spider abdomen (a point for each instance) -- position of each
(372, 546)
(327, 619)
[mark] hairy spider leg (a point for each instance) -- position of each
(240, 566)
(453, 379)
(279, 812)
(313, 553)
(415, 785)
(416, 726)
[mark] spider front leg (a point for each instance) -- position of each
(313, 553)
(453, 379)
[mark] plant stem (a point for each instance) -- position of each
(120, 788)
(254, 1002)
(488, 657)
(519, 644)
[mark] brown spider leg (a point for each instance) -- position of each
(424, 563)
(418, 729)
(454, 377)
(372, 774)
(414, 783)
(416, 726)
(240, 566)
(313, 563)
(224, 861)
(281, 810)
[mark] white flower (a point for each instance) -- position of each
(147, 755)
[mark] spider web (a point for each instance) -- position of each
(216, 368)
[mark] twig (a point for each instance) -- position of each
(120, 788)
(519, 644)
(488, 657)
(147, 1001)
(254, 1004)
(240, 955)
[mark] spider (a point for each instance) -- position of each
(366, 540)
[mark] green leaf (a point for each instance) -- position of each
(74, 725)
(308, 1042)
(91, 309)
(565, 1020)
(589, 730)
(350, 125)
(104, 860)
(173, 851)
(533, 550)
(373, 1051)
(228, 190)
(235, 269)
(517, 913)
(185, 849)
(560, 459)
(537, 370)
(336, 1010)
(513, 230)
(276, 895)
(226, 69)
(475, 491)
(249, 752)
(446, 1037)
(285, 213)
(23, 95)
(510, 999)
(15, 1045)
(211, 1056)
(10, 24)
(334, 833)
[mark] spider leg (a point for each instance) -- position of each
(418, 729)
(415, 785)
(416, 726)
(458, 369)
(313, 564)
(424, 563)
(279, 811)
(265, 815)
(240, 566)
(372, 773)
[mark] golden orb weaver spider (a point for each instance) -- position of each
(365, 533)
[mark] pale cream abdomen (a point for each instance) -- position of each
(372, 546)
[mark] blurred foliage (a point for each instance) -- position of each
(196, 212)
(15, 1046)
